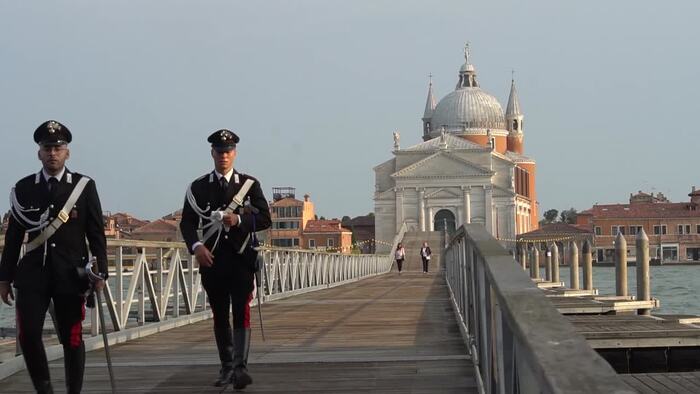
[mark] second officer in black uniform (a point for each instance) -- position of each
(228, 207)
(58, 210)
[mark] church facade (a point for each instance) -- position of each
(470, 167)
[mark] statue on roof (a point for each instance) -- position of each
(397, 137)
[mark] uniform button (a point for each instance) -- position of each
(51, 206)
(225, 236)
(53, 245)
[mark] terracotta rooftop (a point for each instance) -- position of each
(158, 226)
(324, 226)
(644, 210)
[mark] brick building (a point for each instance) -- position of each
(673, 228)
(327, 235)
(289, 218)
(158, 230)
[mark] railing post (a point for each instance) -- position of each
(118, 267)
(587, 266)
(573, 265)
(643, 285)
(620, 265)
(523, 256)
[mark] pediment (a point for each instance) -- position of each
(442, 164)
(443, 193)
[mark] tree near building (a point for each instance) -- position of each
(569, 216)
(550, 215)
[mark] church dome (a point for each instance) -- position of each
(470, 108)
(467, 110)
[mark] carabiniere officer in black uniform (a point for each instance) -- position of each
(230, 207)
(57, 209)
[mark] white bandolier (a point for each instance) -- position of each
(216, 217)
(47, 227)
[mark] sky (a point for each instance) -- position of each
(315, 89)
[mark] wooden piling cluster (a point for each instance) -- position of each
(530, 253)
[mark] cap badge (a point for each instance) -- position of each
(53, 127)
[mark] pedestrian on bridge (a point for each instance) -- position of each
(425, 256)
(230, 207)
(399, 255)
(58, 210)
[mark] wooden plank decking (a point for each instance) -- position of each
(393, 334)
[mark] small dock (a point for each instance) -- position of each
(389, 334)
(652, 353)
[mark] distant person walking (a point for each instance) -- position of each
(399, 255)
(425, 256)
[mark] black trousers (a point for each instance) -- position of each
(222, 301)
(69, 310)
(425, 264)
(399, 264)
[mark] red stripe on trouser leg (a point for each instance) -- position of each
(246, 322)
(76, 331)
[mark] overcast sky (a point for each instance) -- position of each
(315, 89)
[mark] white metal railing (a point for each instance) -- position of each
(518, 341)
(150, 282)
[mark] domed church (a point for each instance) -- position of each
(469, 169)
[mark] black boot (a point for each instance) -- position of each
(224, 343)
(43, 387)
(225, 377)
(74, 363)
(241, 341)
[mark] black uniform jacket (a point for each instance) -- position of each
(66, 249)
(229, 267)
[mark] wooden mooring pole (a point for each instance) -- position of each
(535, 263)
(643, 283)
(573, 265)
(548, 268)
(555, 263)
(620, 265)
(587, 266)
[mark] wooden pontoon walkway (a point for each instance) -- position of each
(389, 334)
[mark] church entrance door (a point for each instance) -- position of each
(445, 219)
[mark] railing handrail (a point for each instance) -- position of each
(518, 340)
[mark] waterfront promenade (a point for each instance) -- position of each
(390, 334)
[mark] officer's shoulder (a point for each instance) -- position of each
(203, 179)
(27, 180)
(76, 176)
(245, 177)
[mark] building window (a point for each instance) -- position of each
(598, 230)
(687, 229)
(329, 242)
(617, 229)
(660, 229)
(296, 241)
(697, 228)
(312, 243)
(634, 230)
(284, 242)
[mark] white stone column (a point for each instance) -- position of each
(467, 200)
(488, 209)
(421, 209)
(431, 223)
(512, 224)
(459, 219)
(399, 208)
